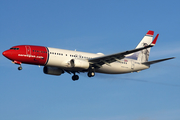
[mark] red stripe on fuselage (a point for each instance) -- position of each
(29, 54)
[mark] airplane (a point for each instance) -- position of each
(58, 61)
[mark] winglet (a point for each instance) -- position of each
(150, 32)
(155, 39)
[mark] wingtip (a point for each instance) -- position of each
(155, 39)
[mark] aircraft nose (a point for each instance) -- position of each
(6, 53)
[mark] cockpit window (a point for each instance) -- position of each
(14, 48)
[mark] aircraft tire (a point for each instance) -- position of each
(91, 74)
(19, 68)
(75, 77)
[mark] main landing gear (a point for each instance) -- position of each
(75, 77)
(91, 74)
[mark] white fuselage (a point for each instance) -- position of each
(61, 58)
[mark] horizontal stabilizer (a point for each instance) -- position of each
(156, 61)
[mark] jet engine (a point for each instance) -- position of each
(52, 70)
(77, 63)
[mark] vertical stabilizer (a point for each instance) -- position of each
(143, 55)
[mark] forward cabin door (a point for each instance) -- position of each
(28, 50)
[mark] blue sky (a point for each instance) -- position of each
(91, 26)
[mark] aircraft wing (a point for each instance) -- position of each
(156, 61)
(107, 59)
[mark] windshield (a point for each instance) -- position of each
(14, 48)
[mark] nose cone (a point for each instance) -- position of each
(7, 53)
(4, 53)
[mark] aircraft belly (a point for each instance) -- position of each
(118, 68)
(114, 68)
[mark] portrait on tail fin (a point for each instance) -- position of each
(144, 54)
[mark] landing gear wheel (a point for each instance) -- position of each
(75, 77)
(91, 74)
(20, 68)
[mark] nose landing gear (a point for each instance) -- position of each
(20, 68)
(19, 63)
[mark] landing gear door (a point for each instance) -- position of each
(28, 50)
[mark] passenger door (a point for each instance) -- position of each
(28, 50)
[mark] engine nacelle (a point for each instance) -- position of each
(52, 70)
(77, 63)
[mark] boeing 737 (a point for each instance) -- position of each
(58, 61)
